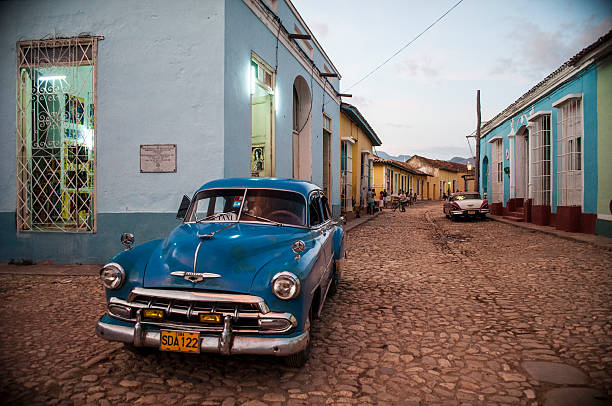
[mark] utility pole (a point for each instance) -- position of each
(477, 160)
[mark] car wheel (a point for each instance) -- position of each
(452, 217)
(299, 359)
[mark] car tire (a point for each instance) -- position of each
(299, 359)
(452, 217)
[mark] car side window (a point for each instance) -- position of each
(316, 217)
(325, 207)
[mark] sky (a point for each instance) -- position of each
(424, 100)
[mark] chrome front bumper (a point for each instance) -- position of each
(226, 343)
(465, 212)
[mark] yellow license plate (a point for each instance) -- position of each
(179, 341)
(471, 211)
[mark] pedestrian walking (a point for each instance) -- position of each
(381, 202)
(370, 201)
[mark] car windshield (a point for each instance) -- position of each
(260, 205)
(278, 206)
(466, 196)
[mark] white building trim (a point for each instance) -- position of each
(273, 25)
(348, 139)
(567, 98)
(539, 113)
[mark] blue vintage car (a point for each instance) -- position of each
(245, 272)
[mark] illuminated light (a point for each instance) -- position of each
(88, 137)
(252, 79)
(54, 77)
(153, 314)
(210, 318)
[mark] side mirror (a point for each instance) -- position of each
(180, 215)
(127, 239)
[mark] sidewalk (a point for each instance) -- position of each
(591, 239)
(359, 221)
(51, 269)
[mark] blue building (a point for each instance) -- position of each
(546, 157)
(112, 110)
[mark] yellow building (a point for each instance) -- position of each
(357, 141)
(446, 177)
(395, 176)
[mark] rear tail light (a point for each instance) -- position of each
(455, 206)
(485, 204)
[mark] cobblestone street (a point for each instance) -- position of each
(429, 311)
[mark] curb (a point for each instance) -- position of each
(599, 241)
(356, 223)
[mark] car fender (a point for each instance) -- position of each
(133, 262)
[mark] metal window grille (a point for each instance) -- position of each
(56, 134)
(497, 192)
(541, 161)
(346, 179)
(569, 154)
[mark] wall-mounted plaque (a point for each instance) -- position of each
(155, 158)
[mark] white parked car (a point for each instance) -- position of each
(465, 204)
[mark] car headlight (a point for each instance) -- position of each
(112, 276)
(285, 285)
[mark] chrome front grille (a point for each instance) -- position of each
(182, 310)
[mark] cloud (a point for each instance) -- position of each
(537, 52)
(421, 67)
(320, 29)
(360, 101)
(398, 125)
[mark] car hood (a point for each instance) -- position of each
(469, 203)
(235, 253)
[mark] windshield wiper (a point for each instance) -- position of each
(215, 215)
(244, 213)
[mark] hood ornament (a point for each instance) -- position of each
(195, 277)
(298, 247)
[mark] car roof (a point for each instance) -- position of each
(294, 185)
(464, 193)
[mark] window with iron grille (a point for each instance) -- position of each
(569, 152)
(497, 194)
(56, 134)
(346, 175)
(541, 160)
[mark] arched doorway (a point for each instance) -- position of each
(302, 130)
(485, 174)
(522, 162)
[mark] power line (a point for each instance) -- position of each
(404, 47)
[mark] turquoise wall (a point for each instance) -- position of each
(244, 33)
(584, 82)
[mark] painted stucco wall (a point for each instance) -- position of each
(604, 151)
(160, 80)
(362, 143)
(585, 83)
(245, 33)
